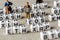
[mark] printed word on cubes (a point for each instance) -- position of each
(43, 26)
(37, 13)
(8, 23)
(12, 30)
(3, 16)
(35, 20)
(8, 26)
(13, 27)
(50, 35)
(13, 16)
(56, 3)
(40, 27)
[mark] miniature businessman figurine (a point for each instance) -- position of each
(27, 10)
(8, 6)
(39, 1)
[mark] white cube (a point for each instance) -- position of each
(43, 36)
(40, 27)
(56, 3)
(51, 34)
(33, 27)
(58, 23)
(55, 10)
(22, 29)
(57, 33)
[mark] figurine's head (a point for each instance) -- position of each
(6, 0)
(27, 3)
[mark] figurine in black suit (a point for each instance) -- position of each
(39, 1)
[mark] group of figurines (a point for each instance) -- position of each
(27, 7)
